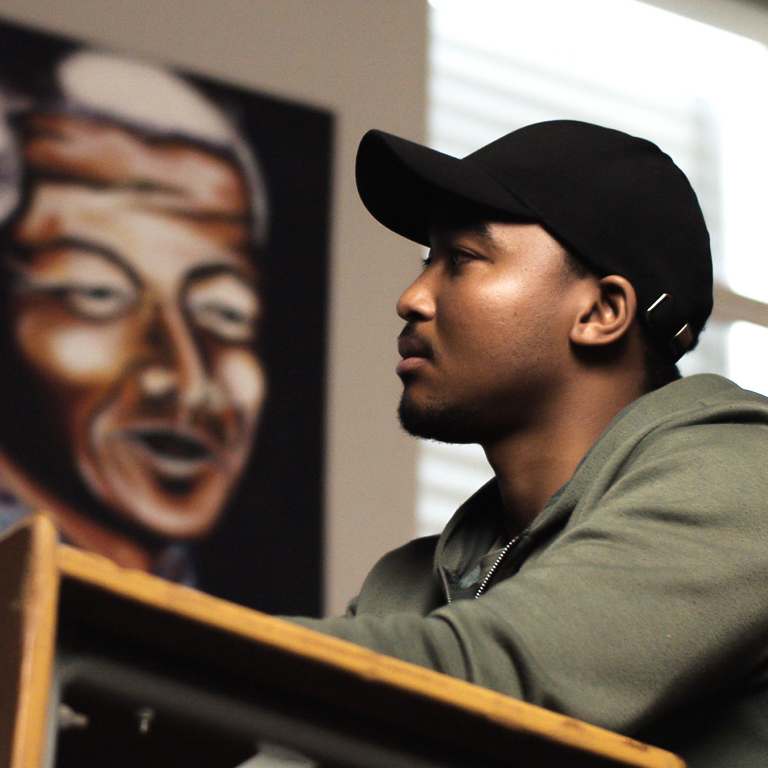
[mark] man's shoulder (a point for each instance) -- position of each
(409, 562)
(693, 431)
(403, 580)
(700, 393)
(693, 400)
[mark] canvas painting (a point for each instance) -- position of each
(164, 258)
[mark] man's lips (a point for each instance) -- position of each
(414, 349)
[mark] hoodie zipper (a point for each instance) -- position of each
(488, 576)
(445, 584)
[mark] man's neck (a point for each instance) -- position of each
(532, 463)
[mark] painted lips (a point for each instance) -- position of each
(172, 453)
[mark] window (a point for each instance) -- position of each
(695, 90)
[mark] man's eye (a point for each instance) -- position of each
(99, 302)
(459, 257)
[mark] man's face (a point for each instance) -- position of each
(487, 336)
(136, 308)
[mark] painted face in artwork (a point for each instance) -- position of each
(137, 310)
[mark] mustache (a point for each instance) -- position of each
(412, 344)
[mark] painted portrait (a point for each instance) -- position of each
(163, 248)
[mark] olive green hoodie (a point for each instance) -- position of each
(638, 598)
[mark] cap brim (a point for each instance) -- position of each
(404, 184)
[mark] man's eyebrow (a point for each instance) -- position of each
(480, 228)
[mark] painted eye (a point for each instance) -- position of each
(87, 283)
(99, 302)
(224, 305)
(224, 321)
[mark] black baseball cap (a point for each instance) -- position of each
(616, 202)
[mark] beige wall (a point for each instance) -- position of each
(365, 61)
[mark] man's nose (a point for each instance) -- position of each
(417, 302)
(176, 366)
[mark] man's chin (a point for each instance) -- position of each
(438, 421)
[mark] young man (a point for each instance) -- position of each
(616, 569)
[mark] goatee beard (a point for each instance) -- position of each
(443, 422)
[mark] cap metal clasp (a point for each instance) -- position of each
(682, 339)
(661, 315)
(664, 297)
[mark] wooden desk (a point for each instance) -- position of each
(188, 680)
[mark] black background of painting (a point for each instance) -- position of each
(267, 550)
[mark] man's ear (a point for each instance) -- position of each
(611, 311)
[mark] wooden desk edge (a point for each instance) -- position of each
(39, 596)
(357, 660)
